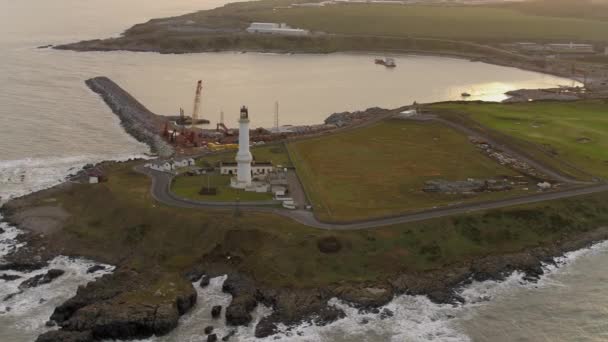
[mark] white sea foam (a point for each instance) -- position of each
(24, 176)
(415, 318)
(23, 316)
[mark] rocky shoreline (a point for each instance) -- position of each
(103, 310)
(136, 119)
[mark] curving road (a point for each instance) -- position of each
(161, 192)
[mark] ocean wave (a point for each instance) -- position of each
(23, 314)
(415, 318)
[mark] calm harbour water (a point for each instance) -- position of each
(50, 123)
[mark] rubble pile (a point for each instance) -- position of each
(470, 186)
(506, 159)
(349, 118)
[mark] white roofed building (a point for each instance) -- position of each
(274, 28)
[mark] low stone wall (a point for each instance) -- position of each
(136, 119)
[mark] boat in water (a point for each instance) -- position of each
(465, 95)
(387, 62)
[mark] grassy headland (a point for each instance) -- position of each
(357, 27)
(573, 132)
(381, 170)
(118, 222)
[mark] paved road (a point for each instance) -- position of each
(161, 192)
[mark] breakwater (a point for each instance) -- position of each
(135, 118)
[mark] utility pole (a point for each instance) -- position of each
(276, 116)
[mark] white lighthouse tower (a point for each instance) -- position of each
(243, 157)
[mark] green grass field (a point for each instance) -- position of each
(381, 170)
(189, 187)
(118, 222)
(274, 153)
(576, 132)
(452, 22)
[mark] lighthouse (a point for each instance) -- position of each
(243, 157)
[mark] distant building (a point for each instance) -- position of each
(274, 28)
(526, 46)
(171, 165)
(257, 169)
(571, 48)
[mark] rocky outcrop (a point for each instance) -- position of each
(41, 279)
(554, 94)
(96, 268)
(216, 311)
(9, 277)
(105, 288)
(66, 336)
(349, 118)
(365, 297)
(111, 320)
(104, 308)
(292, 306)
(204, 281)
(244, 300)
(23, 266)
(136, 119)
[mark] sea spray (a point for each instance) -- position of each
(24, 312)
(406, 318)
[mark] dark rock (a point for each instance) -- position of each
(41, 279)
(66, 336)
(329, 245)
(239, 312)
(28, 266)
(328, 315)
(194, 275)
(365, 297)
(109, 316)
(386, 313)
(437, 285)
(186, 301)
(243, 302)
(212, 338)
(2, 231)
(204, 281)
(208, 330)
(96, 268)
(11, 295)
(499, 267)
(9, 277)
(292, 307)
(50, 324)
(113, 320)
(230, 334)
(216, 311)
(104, 288)
(266, 327)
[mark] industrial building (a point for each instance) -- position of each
(274, 28)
